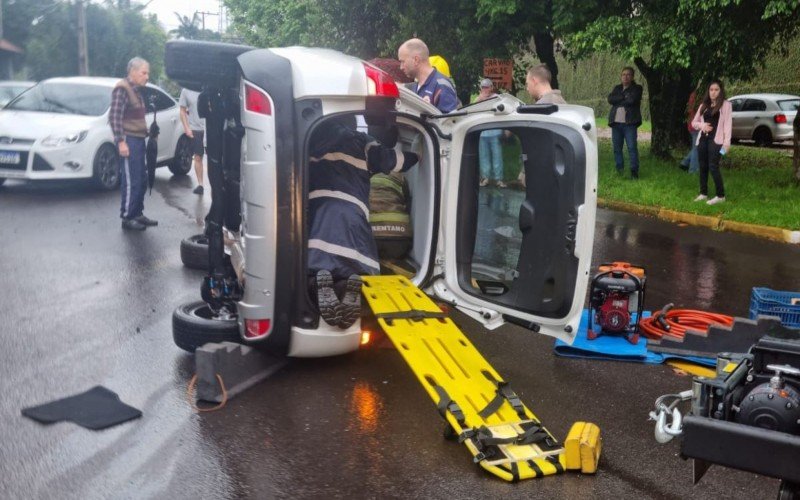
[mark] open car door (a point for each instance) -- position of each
(523, 254)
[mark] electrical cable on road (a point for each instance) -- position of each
(673, 323)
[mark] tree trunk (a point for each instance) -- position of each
(546, 53)
(668, 94)
(545, 46)
(796, 153)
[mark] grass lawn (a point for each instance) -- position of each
(602, 122)
(758, 185)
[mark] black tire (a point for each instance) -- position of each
(181, 163)
(194, 325)
(219, 69)
(194, 252)
(763, 137)
(105, 168)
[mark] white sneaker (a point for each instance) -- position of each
(484, 182)
(501, 184)
(715, 200)
(701, 197)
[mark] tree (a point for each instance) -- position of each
(677, 44)
(189, 29)
(463, 31)
(114, 37)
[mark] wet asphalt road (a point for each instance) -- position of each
(86, 304)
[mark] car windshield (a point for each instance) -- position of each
(66, 98)
(8, 92)
(789, 104)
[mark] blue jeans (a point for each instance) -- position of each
(133, 178)
(627, 133)
(691, 160)
(490, 155)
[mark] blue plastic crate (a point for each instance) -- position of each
(776, 303)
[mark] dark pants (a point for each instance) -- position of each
(708, 156)
(626, 133)
(133, 178)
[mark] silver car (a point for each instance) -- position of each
(764, 118)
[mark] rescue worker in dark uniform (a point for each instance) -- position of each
(432, 86)
(341, 247)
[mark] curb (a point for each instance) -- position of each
(715, 223)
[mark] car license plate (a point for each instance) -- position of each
(9, 157)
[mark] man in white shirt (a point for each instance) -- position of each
(194, 128)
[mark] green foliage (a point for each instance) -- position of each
(114, 36)
(758, 186)
(678, 43)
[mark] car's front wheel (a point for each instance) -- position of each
(105, 168)
(182, 161)
(763, 137)
(195, 324)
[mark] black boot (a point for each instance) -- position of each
(350, 305)
(328, 302)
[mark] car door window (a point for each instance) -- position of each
(519, 194)
(157, 100)
(737, 104)
(754, 105)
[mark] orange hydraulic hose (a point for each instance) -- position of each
(673, 323)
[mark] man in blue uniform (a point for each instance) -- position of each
(431, 85)
(341, 246)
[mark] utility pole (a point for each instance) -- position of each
(203, 17)
(83, 50)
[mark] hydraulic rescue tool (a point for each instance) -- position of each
(616, 301)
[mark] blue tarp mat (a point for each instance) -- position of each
(617, 348)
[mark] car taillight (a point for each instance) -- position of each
(780, 118)
(256, 101)
(255, 328)
(380, 83)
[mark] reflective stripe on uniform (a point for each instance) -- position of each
(339, 195)
(127, 212)
(350, 160)
(343, 252)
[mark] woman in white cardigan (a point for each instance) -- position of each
(713, 121)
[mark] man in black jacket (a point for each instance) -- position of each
(624, 118)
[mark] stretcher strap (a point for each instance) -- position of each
(487, 443)
(413, 315)
(502, 393)
(446, 404)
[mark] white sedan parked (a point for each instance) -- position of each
(59, 129)
(764, 118)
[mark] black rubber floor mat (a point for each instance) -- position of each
(98, 408)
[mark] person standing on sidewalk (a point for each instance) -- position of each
(714, 122)
(194, 128)
(490, 152)
(624, 119)
(126, 117)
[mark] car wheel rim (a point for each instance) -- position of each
(107, 168)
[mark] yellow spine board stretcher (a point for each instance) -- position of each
(502, 434)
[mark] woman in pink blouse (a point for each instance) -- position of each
(713, 122)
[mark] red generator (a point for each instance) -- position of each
(616, 300)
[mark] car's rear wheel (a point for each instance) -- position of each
(105, 168)
(195, 324)
(194, 251)
(763, 137)
(182, 161)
